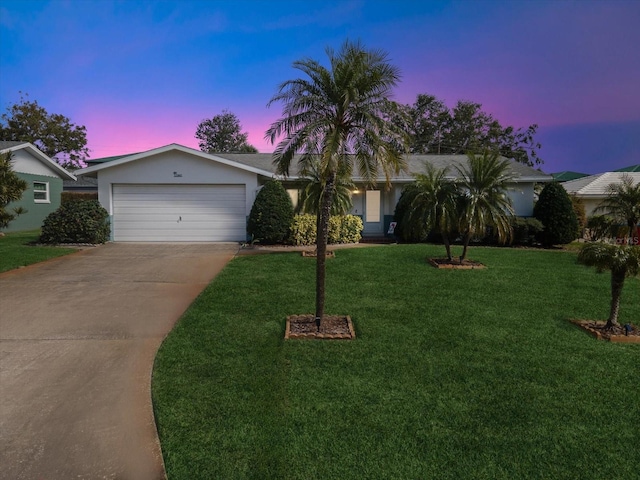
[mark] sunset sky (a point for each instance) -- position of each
(142, 74)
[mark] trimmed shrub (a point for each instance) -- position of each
(581, 213)
(555, 210)
(77, 197)
(525, 230)
(271, 215)
(342, 229)
(77, 222)
(304, 229)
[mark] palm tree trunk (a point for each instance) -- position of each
(321, 245)
(466, 239)
(617, 282)
(447, 245)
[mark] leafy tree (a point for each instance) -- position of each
(271, 214)
(483, 201)
(337, 116)
(465, 128)
(435, 204)
(53, 134)
(223, 134)
(11, 189)
(623, 203)
(622, 260)
(555, 210)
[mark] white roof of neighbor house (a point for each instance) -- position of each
(12, 146)
(596, 185)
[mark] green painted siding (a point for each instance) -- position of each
(36, 212)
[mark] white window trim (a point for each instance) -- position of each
(47, 198)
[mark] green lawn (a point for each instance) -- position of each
(453, 375)
(15, 250)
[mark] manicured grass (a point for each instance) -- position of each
(15, 250)
(453, 375)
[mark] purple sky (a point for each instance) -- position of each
(142, 74)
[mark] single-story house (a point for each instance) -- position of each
(44, 178)
(593, 189)
(176, 193)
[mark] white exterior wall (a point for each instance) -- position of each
(521, 195)
(159, 169)
(24, 162)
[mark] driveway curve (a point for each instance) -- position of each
(78, 337)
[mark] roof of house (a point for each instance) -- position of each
(568, 175)
(415, 164)
(12, 146)
(632, 168)
(262, 164)
(109, 162)
(596, 185)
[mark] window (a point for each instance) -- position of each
(294, 194)
(41, 192)
(373, 206)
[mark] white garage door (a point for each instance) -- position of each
(179, 213)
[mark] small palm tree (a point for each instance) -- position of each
(313, 189)
(623, 203)
(338, 117)
(435, 203)
(623, 261)
(483, 198)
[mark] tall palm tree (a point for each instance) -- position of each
(311, 195)
(338, 117)
(623, 203)
(622, 260)
(483, 198)
(435, 203)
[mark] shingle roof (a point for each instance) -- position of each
(8, 144)
(415, 165)
(596, 185)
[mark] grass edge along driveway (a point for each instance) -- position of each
(15, 251)
(454, 374)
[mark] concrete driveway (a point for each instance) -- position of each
(78, 336)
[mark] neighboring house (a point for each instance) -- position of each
(593, 189)
(175, 193)
(632, 168)
(567, 176)
(81, 185)
(44, 178)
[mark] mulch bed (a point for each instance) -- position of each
(455, 264)
(616, 334)
(332, 327)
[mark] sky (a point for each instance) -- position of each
(143, 74)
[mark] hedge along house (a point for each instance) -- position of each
(376, 204)
(44, 178)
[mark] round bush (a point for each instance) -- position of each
(77, 222)
(408, 229)
(555, 210)
(271, 214)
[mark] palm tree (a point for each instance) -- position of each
(338, 117)
(483, 200)
(435, 203)
(311, 195)
(623, 203)
(622, 260)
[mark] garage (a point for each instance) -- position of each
(179, 213)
